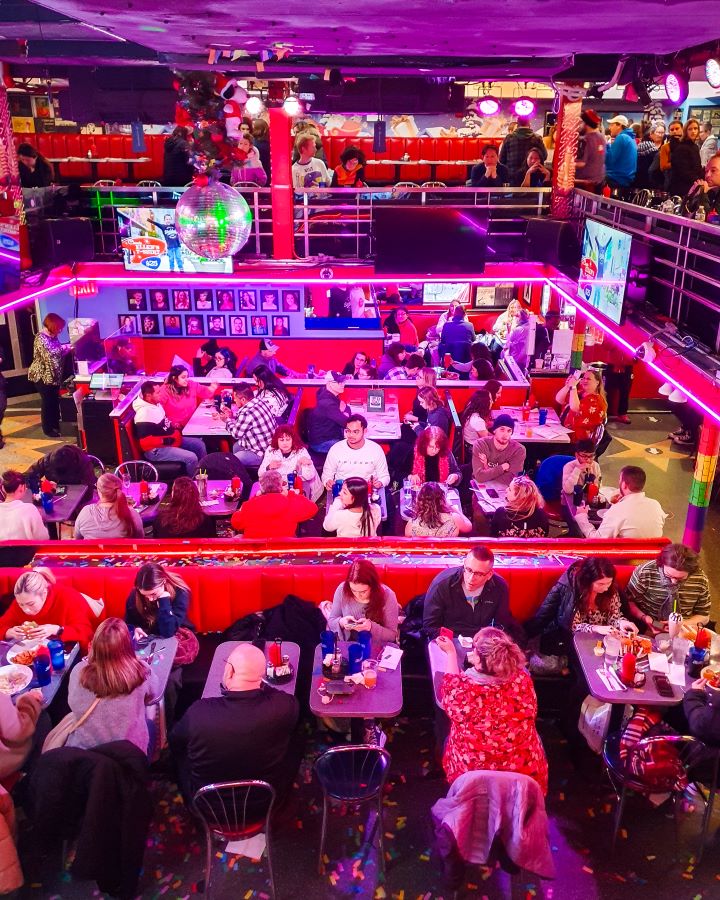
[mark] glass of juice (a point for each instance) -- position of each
(370, 670)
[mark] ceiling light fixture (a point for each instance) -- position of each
(712, 72)
(291, 105)
(254, 106)
(489, 106)
(676, 87)
(524, 107)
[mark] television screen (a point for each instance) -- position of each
(443, 293)
(428, 241)
(100, 381)
(150, 242)
(604, 269)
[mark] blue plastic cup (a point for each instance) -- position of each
(578, 494)
(327, 639)
(57, 655)
(47, 503)
(542, 416)
(365, 641)
(355, 657)
(41, 668)
(291, 480)
(337, 487)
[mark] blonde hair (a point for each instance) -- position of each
(112, 668)
(498, 653)
(598, 377)
(429, 376)
(36, 581)
(109, 488)
(303, 138)
(527, 498)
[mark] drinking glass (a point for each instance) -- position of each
(370, 673)
(126, 482)
(612, 650)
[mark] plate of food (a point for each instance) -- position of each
(14, 678)
(24, 652)
(711, 674)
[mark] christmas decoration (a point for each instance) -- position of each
(235, 98)
(213, 219)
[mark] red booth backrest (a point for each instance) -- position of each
(221, 595)
(60, 144)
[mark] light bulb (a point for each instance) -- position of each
(254, 106)
(489, 106)
(291, 105)
(524, 107)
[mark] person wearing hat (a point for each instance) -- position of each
(621, 154)
(498, 457)
(204, 360)
(327, 420)
(590, 164)
(267, 356)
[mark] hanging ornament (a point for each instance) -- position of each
(213, 220)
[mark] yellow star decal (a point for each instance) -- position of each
(637, 450)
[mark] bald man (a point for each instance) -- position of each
(246, 733)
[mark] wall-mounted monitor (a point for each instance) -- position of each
(604, 269)
(101, 381)
(150, 243)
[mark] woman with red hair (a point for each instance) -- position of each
(433, 459)
(287, 454)
(363, 603)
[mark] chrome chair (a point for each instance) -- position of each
(432, 184)
(406, 184)
(355, 774)
(105, 182)
(148, 182)
(233, 811)
(98, 465)
(623, 780)
(138, 470)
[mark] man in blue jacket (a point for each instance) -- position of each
(621, 154)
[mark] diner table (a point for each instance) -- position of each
(95, 161)
(159, 654)
(407, 501)
(56, 678)
(647, 695)
(213, 684)
(216, 504)
(530, 432)
(382, 702)
(148, 511)
(63, 508)
(206, 422)
(487, 503)
(382, 426)
(595, 515)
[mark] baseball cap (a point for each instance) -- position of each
(266, 344)
(337, 377)
(503, 420)
(619, 120)
(590, 117)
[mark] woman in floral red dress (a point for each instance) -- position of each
(492, 709)
(584, 404)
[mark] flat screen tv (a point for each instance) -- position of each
(443, 293)
(150, 243)
(429, 241)
(604, 269)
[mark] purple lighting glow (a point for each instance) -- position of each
(676, 87)
(489, 106)
(524, 107)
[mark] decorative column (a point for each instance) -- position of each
(281, 191)
(570, 97)
(702, 483)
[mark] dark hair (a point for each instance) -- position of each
(487, 147)
(431, 505)
(371, 371)
(352, 152)
(183, 514)
(432, 433)
(171, 380)
(260, 129)
(414, 361)
(147, 387)
(242, 390)
(458, 314)
(359, 491)
(430, 396)
(493, 385)
(180, 131)
(362, 571)
(356, 417)
(286, 431)
(395, 351)
(680, 557)
(270, 381)
(26, 149)
(248, 136)
(586, 572)
(482, 553)
(12, 480)
(478, 350)
(149, 577)
(585, 445)
(480, 403)
(484, 369)
(634, 477)
(227, 355)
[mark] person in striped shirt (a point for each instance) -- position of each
(674, 582)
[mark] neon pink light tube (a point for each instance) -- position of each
(297, 279)
(21, 301)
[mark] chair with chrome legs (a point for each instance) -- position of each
(354, 774)
(234, 811)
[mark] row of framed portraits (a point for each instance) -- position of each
(207, 300)
(213, 324)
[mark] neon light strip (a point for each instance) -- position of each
(21, 301)
(628, 346)
(13, 257)
(296, 279)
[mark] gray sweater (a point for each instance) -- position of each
(96, 522)
(513, 455)
(381, 634)
(114, 718)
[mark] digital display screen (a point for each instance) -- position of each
(604, 269)
(103, 382)
(150, 243)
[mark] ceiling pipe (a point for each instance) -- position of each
(616, 76)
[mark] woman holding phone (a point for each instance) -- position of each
(363, 603)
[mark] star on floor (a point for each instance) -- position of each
(638, 450)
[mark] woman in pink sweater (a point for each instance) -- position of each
(180, 396)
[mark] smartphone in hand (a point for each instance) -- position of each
(447, 632)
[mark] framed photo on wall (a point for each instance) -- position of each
(238, 326)
(225, 301)
(128, 324)
(172, 324)
(150, 325)
(195, 326)
(159, 300)
(281, 326)
(248, 301)
(203, 299)
(136, 299)
(259, 325)
(181, 299)
(291, 301)
(216, 325)
(269, 301)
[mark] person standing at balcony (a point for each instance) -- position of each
(590, 163)
(685, 165)
(675, 132)
(177, 168)
(708, 143)
(621, 154)
(516, 147)
(261, 136)
(490, 172)
(35, 170)
(308, 171)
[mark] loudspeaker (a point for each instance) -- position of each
(551, 241)
(55, 242)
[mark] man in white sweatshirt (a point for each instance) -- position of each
(356, 456)
(19, 521)
(633, 516)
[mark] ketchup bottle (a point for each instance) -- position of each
(275, 652)
(144, 491)
(627, 668)
(235, 484)
(298, 485)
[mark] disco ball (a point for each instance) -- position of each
(213, 220)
